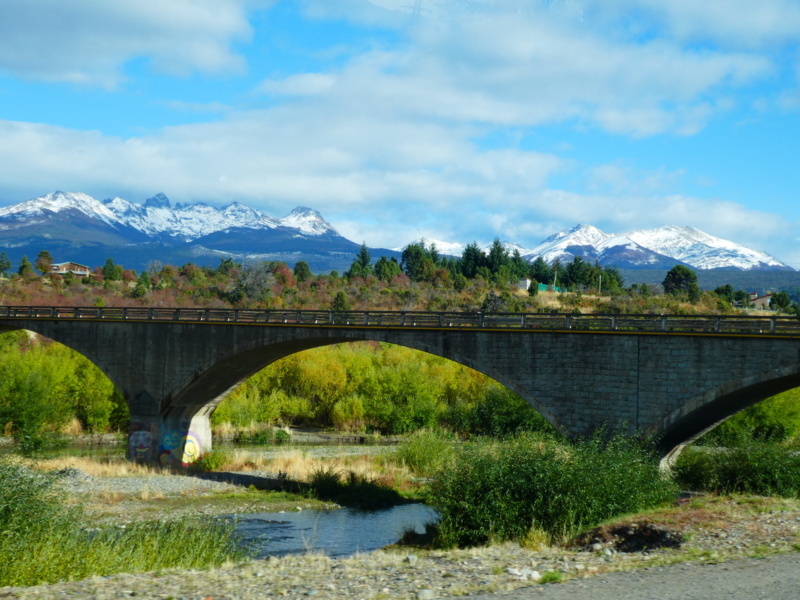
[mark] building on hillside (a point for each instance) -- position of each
(760, 302)
(70, 267)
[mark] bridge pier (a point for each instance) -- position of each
(169, 440)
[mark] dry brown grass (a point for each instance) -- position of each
(300, 466)
(97, 467)
(295, 464)
(73, 428)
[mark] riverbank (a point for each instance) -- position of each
(713, 529)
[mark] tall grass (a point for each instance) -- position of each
(44, 541)
(425, 452)
(535, 486)
(761, 468)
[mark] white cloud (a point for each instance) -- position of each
(391, 146)
(734, 23)
(88, 42)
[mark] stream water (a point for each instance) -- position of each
(340, 532)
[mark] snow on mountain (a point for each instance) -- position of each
(702, 250)
(447, 248)
(58, 202)
(510, 247)
(652, 248)
(157, 217)
(308, 221)
(591, 243)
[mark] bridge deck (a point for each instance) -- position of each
(736, 325)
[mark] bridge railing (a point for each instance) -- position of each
(632, 323)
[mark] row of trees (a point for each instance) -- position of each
(498, 266)
(423, 279)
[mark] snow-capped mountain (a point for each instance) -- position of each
(654, 248)
(55, 203)
(75, 226)
(306, 220)
(159, 219)
(702, 250)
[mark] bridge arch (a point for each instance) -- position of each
(212, 386)
(706, 411)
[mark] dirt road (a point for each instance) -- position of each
(771, 578)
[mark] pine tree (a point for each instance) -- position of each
(25, 267)
(5, 264)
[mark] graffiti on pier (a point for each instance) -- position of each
(140, 445)
(179, 446)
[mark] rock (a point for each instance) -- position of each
(425, 595)
(412, 559)
(596, 547)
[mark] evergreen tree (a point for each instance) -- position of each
(472, 259)
(725, 292)
(519, 266)
(386, 269)
(613, 281)
(340, 302)
(25, 267)
(780, 301)
(416, 263)
(361, 266)
(433, 254)
(302, 272)
(682, 280)
(5, 264)
(112, 272)
(540, 271)
(498, 257)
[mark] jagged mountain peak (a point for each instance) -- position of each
(160, 200)
(307, 220)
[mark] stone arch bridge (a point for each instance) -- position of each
(670, 376)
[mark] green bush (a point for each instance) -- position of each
(758, 468)
(506, 490)
(502, 412)
(425, 451)
(45, 541)
(214, 460)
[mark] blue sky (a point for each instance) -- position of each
(457, 120)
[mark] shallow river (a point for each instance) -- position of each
(340, 532)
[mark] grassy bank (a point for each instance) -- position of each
(45, 540)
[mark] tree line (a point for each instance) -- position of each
(423, 279)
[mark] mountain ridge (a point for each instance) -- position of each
(80, 227)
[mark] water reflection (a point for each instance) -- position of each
(340, 532)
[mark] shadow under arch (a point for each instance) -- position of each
(681, 428)
(203, 395)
